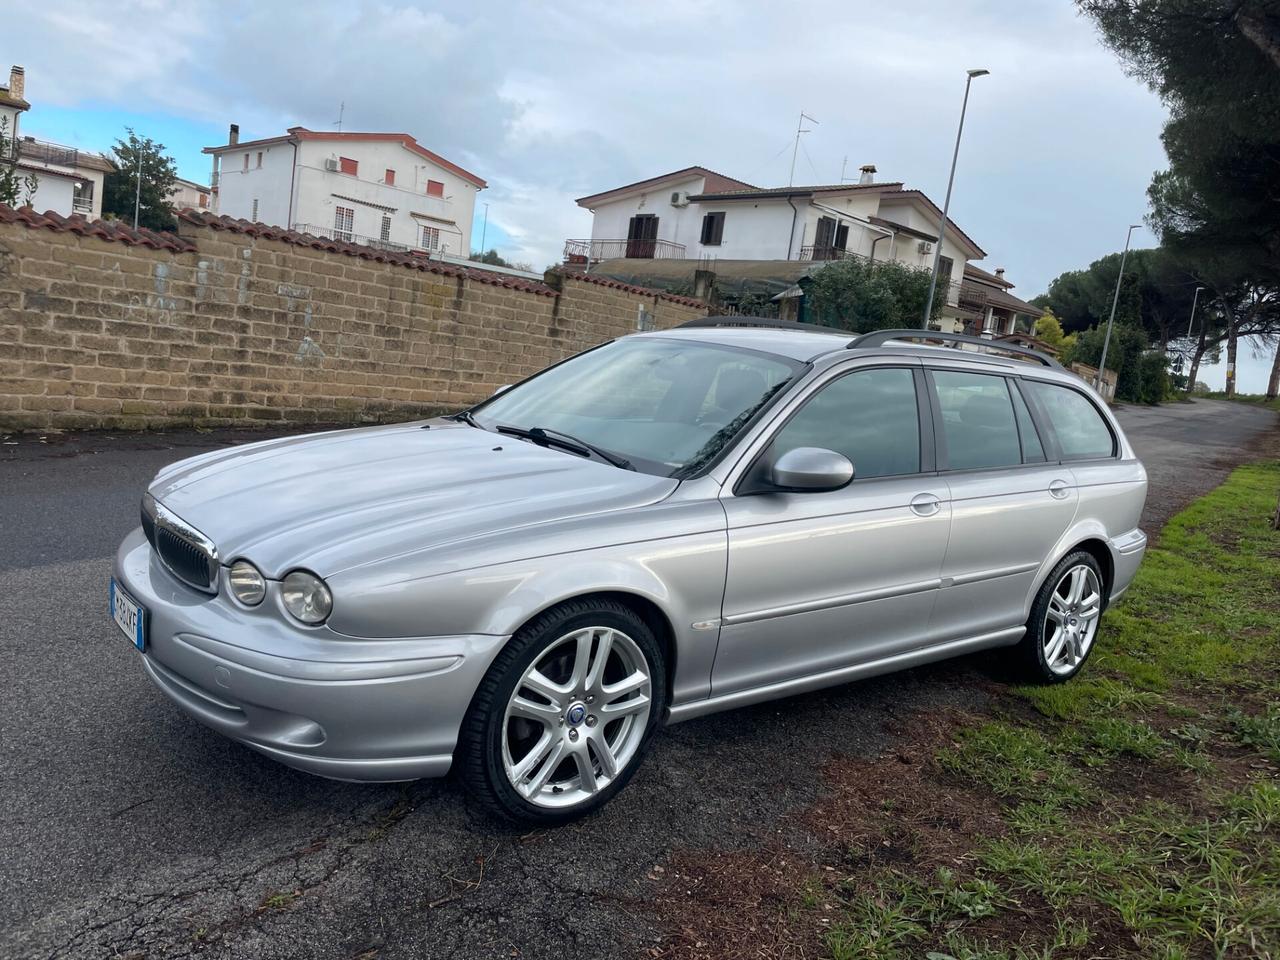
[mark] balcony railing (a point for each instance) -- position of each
(53, 154)
(329, 233)
(826, 252)
(83, 207)
(582, 251)
(971, 296)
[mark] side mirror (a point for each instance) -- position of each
(502, 389)
(811, 469)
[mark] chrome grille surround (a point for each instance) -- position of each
(185, 552)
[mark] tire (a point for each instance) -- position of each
(551, 736)
(1063, 627)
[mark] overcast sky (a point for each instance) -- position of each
(555, 102)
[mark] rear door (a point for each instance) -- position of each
(1011, 501)
(822, 580)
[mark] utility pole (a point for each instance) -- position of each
(484, 230)
(1115, 300)
(1194, 301)
(796, 149)
(137, 193)
(946, 204)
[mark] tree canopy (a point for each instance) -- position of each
(120, 186)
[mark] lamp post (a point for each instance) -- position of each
(946, 204)
(484, 230)
(1115, 300)
(1192, 318)
(137, 193)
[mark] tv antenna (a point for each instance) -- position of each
(796, 149)
(342, 108)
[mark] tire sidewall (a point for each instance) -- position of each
(531, 646)
(1039, 609)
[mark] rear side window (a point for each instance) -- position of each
(1081, 432)
(870, 416)
(977, 420)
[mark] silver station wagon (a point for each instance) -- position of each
(667, 525)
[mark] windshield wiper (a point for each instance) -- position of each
(565, 441)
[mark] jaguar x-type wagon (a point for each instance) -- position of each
(667, 525)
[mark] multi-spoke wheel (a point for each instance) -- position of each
(562, 717)
(1064, 619)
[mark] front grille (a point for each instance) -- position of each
(185, 551)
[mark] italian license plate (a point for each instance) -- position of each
(129, 615)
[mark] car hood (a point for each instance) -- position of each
(329, 502)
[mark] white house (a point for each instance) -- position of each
(68, 181)
(377, 188)
(187, 194)
(698, 214)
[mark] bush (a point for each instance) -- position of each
(1124, 356)
(860, 296)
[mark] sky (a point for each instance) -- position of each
(549, 102)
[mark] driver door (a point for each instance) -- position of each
(818, 581)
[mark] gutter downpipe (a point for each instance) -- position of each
(795, 213)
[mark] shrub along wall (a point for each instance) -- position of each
(228, 322)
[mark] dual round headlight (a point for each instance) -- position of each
(304, 595)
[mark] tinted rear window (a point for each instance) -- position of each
(1081, 432)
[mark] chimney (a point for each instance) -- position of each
(233, 135)
(17, 83)
(868, 173)
(1000, 273)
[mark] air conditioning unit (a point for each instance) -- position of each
(679, 199)
(925, 247)
(331, 163)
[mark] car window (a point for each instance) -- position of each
(977, 420)
(1081, 432)
(667, 406)
(870, 416)
(1032, 448)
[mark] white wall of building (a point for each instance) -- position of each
(55, 192)
(303, 192)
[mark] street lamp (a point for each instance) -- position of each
(1106, 341)
(484, 230)
(137, 192)
(946, 204)
(1192, 318)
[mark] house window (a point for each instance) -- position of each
(259, 159)
(712, 229)
(390, 178)
(246, 162)
(204, 199)
(254, 216)
(348, 166)
(435, 188)
(385, 233)
(430, 238)
(343, 221)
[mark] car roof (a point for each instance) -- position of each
(799, 344)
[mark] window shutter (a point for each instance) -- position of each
(435, 188)
(348, 166)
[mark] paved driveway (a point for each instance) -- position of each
(130, 831)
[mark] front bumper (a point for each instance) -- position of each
(332, 705)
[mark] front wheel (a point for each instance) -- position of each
(1064, 620)
(561, 720)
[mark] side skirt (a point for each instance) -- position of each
(832, 678)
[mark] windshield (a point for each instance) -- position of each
(668, 406)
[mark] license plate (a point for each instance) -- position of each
(129, 615)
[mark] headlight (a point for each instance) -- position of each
(247, 584)
(306, 597)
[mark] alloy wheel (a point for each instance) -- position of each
(577, 717)
(1071, 620)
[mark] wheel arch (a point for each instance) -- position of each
(1090, 538)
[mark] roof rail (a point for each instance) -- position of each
(765, 322)
(878, 338)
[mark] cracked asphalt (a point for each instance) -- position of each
(131, 831)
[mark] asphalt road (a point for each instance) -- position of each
(131, 831)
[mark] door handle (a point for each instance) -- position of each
(925, 504)
(1059, 489)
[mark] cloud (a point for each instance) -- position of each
(552, 102)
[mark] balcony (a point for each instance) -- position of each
(329, 233)
(82, 206)
(826, 252)
(593, 251)
(51, 154)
